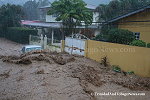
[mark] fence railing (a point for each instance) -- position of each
(46, 43)
(35, 40)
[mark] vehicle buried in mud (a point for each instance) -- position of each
(29, 48)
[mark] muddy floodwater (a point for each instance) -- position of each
(60, 76)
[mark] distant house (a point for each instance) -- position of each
(50, 27)
(51, 18)
(137, 21)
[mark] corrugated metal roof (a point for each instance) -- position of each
(48, 6)
(41, 24)
(93, 7)
(50, 25)
(128, 14)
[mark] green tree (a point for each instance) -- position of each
(42, 3)
(10, 15)
(119, 7)
(31, 10)
(71, 13)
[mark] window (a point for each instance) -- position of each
(55, 15)
(137, 35)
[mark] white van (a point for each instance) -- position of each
(29, 48)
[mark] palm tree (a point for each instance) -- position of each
(71, 13)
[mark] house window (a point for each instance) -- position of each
(137, 35)
(55, 15)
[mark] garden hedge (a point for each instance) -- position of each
(120, 36)
(139, 43)
(19, 34)
(148, 45)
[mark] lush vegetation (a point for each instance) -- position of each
(120, 36)
(1, 32)
(119, 7)
(20, 35)
(10, 24)
(139, 43)
(148, 45)
(71, 13)
(31, 9)
(115, 35)
(114, 9)
(10, 15)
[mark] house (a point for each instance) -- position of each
(137, 21)
(52, 18)
(92, 29)
(52, 28)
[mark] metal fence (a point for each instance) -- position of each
(47, 43)
(35, 40)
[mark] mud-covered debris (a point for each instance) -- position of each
(135, 83)
(40, 71)
(89, 74)
(59, 60)
(5, 74)
(71, 59)
(39, 56)
(8, 58)
(1, 56)
(90, 92)
(20, 78)
(24, 61)
(132, 82)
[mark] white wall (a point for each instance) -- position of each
(50, 18)
(95, 17)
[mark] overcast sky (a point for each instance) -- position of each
(96, 2)
(93, 2)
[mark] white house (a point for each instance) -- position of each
(51, 18)
(52, 28)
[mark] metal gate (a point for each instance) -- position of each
(75, 45)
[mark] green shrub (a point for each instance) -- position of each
(1, 32)
(120, 36)
(130, 72)
(19, 34)
(148, 45)
(139, 43)
(116, 68)
(101, 37)
(115, 35)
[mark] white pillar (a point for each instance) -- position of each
(30, 39)
(45, 42)
(41, 42)
(52, 36)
